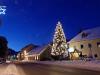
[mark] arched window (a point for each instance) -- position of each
(82, 46)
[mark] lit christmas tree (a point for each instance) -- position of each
(59, 47)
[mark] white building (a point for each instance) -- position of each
(88, 42)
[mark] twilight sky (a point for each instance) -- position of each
(34, 21)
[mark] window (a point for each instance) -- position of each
(95, 55)
(89, 45)
(82, 46)
(84, 35)
(98, 44)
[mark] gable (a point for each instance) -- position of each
(89, 34)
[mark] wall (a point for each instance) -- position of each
(86, 50)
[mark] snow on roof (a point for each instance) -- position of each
(29, 46)
(37, 50)
(88, 34)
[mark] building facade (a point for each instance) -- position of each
(37, 53)
(22, 55)
(40, 53)
(87, 42)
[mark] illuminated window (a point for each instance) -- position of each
(25, 53)
(76, 55)
(37, 57)
(98, 44)
(71, 49)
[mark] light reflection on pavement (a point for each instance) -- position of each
(40, 69)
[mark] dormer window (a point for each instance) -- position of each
(84, 35)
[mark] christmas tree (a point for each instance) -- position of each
(59, 47)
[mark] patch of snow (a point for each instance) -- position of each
(37, 50)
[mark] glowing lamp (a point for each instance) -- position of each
(71, 49)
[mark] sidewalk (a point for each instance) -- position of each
(89, 65)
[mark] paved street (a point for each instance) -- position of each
(39, 69)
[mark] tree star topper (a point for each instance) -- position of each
(2, 10)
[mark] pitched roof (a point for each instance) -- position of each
(28, 47)
(38, 50)
(88, 34)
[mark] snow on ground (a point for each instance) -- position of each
(89, 65)
(10, 69)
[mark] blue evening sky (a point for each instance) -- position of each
(34, 21)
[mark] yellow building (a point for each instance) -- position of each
(22, 55)
(87, 42)
(40, 53)
(34, 53)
